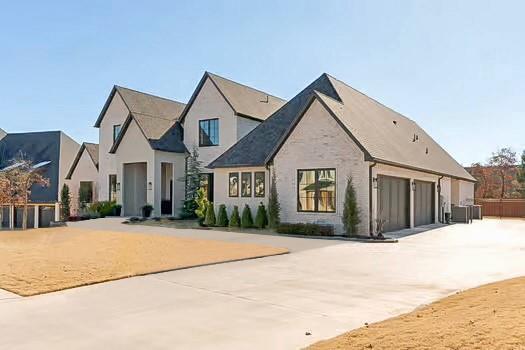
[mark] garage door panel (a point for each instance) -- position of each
(393, 202)
(423, 203)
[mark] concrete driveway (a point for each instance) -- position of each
(268, 303)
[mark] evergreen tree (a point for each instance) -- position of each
(351, 211)
(210, 215)
(192, 183)
(521, 174)
(65, 200)
(247, 218)
(261, 218)
(274, 208)
(222, 218)
(235, 219)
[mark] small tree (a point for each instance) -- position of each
(192, 183)
(247, 218)
(261, 218)
(350, 212)
(504, 160)
(274, 208)
(521, 175)
(222, 218)
(210, 215)
(65, 200)
(235, 219)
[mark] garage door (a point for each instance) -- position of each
(394, 202)
(423, 203)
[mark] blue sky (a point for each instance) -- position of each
(456, 67)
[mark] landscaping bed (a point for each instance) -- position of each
(45, 260)
(488, 317)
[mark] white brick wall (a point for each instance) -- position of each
(319, 142)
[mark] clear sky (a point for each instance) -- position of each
(456, 67)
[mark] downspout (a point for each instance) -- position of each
(371, 233)
(440, 215)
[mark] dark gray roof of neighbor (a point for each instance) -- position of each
(91, 149)
(38, 147)
(256, 147)
(384, 135)
(244, 100)
(142, 103)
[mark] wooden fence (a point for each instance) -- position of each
(510, 208)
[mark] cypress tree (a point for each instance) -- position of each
(235, 219)
(274, 208)
(247, 218)
(261, 218)
(210, 215)
(222, 218)
(66, 202)
(350, 212)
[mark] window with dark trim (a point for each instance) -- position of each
(116, 131)
(209, 132)
(259, 186)
(112, 187)
(316, 190)
(85, 192)
(246, 184)
(233, 185)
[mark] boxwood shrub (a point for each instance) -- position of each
(305, 229)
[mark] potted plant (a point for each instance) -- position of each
(147, 210)
(117, 209)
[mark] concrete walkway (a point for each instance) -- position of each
(268, 303)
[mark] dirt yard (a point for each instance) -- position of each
(46, 260)
(487, 317)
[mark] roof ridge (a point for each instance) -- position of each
(154, 116)
(211, 75)
(149, 94)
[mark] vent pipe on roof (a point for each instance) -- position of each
(265, 101)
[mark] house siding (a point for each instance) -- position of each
(68, 151)
(318, 141)
(116, 113)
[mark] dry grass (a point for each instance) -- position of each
(47, 260)
(487, 317)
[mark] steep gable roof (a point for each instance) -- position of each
(91, 149)
(144, 104)
(257, 146)
(244, 100)
(384, 135)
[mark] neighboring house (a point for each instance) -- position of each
(141, 153)
(2, 134)
(54, 147)
(325, 134)
(83, 176)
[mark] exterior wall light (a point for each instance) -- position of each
(150, 185)
(413, 185)
(374, 182)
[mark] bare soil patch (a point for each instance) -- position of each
(46, 260)
(488, 317)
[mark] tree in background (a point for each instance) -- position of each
(65, 200)
(274, 208)
(503, 161)
(192, 183)
(350, 212)
(521, 175)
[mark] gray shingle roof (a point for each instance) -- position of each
(244, 100)
(385, 135)
(255, 148)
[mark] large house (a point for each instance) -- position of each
(55, 151)
(311, 144)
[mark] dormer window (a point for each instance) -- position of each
(116, 131)
(209, 132)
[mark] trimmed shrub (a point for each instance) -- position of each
(222, 218)
(247, 218)
(350, 212)
(235, 219)
(305, 229)
(202, 205)
(210, 215)
(274, 208)
(261, 218)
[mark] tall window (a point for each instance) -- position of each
(316, 190)
(246, 184)
(233, 186)
(116, 131)
(209, 132)
(85, 193)
(259, 187)
(112, 187)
